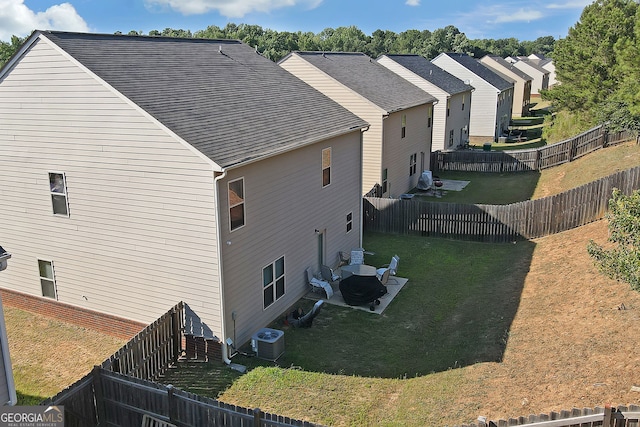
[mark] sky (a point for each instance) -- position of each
(478, 19)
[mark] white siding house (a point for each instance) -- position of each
(522, 83)
(451, 112)
(493, 96)
(539, 75)
(143, 171)
(397, 145)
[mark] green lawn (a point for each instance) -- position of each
(437, 323)
(505, 188)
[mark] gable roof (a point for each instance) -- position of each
(532, 63)
(429, 71)
(230, 103)
(480, 70)
(369, 79)
(509, 66)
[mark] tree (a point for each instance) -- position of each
(585, 60)
(621, 262)
(8, 49)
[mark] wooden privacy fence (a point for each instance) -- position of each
(105, 398)
(621, 416)
(528, 160)
(499, 223)
(152, 350)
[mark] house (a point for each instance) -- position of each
(8, 395)
(397, 146)
(492, 98)
(540, 75)
(522, 83)
(547, 64)
(451, 112)
(143, 171)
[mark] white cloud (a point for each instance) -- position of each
(227, 8)
(17, 19)
(412, 2)
(571, 4)
(520, 15)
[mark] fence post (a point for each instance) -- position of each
(257, 417)
(607, 420)
(98, 395)
(170, 404)
(175, 324)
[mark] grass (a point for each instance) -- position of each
(48, 355)
(505, 188)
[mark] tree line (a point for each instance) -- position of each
(277, 44)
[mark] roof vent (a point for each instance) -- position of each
(220, 48)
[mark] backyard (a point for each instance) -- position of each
(497, 330)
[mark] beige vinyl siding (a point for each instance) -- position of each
(540, 80)
(439, 109)
(141, 233)
(504, 111)
(522, 91)
(458, 119)
(363, 108)
(397, 150)
(284, 204)
(485, 97)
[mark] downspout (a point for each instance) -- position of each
(362, 131)
(223, 323)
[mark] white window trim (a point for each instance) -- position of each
(53, 273)
(349, 221)
(275, 279)
(244, 203)
(64, 193)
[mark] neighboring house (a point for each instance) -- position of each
(397, 146)
(540, 75)
(8, 394)
(492, 98)
(451, 113)
(143, 171)
(522, 83)
(547, 64)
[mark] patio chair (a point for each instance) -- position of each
(318, 285)
(343, 258)
(392, 268)
(357, 256)
(298, 319)
(328, 274)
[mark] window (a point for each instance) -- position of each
(413, 160)
(349, 221)
(273, 281)
(429, 116)
(448, 106)
(326, 167)
(404, 125)
(450, 137)
(58, 188)
(47, 279)
(463, 99)
(236, 203)
(384, 181)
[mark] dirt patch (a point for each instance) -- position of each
(573, 341)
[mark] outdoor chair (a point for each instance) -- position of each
(318, 285)
(357, 257)
(392, 268)
(328, 274)
(343, 258)
(384, 279)
(298, 319)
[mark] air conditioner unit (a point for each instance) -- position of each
(268, 343)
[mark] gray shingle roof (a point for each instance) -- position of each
(533, 63)
(371, 80)
(429, 71)
(482, 71)
(220, 96)
(509, 66)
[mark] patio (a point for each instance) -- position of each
(394, 286)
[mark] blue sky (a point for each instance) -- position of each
(524, 20)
